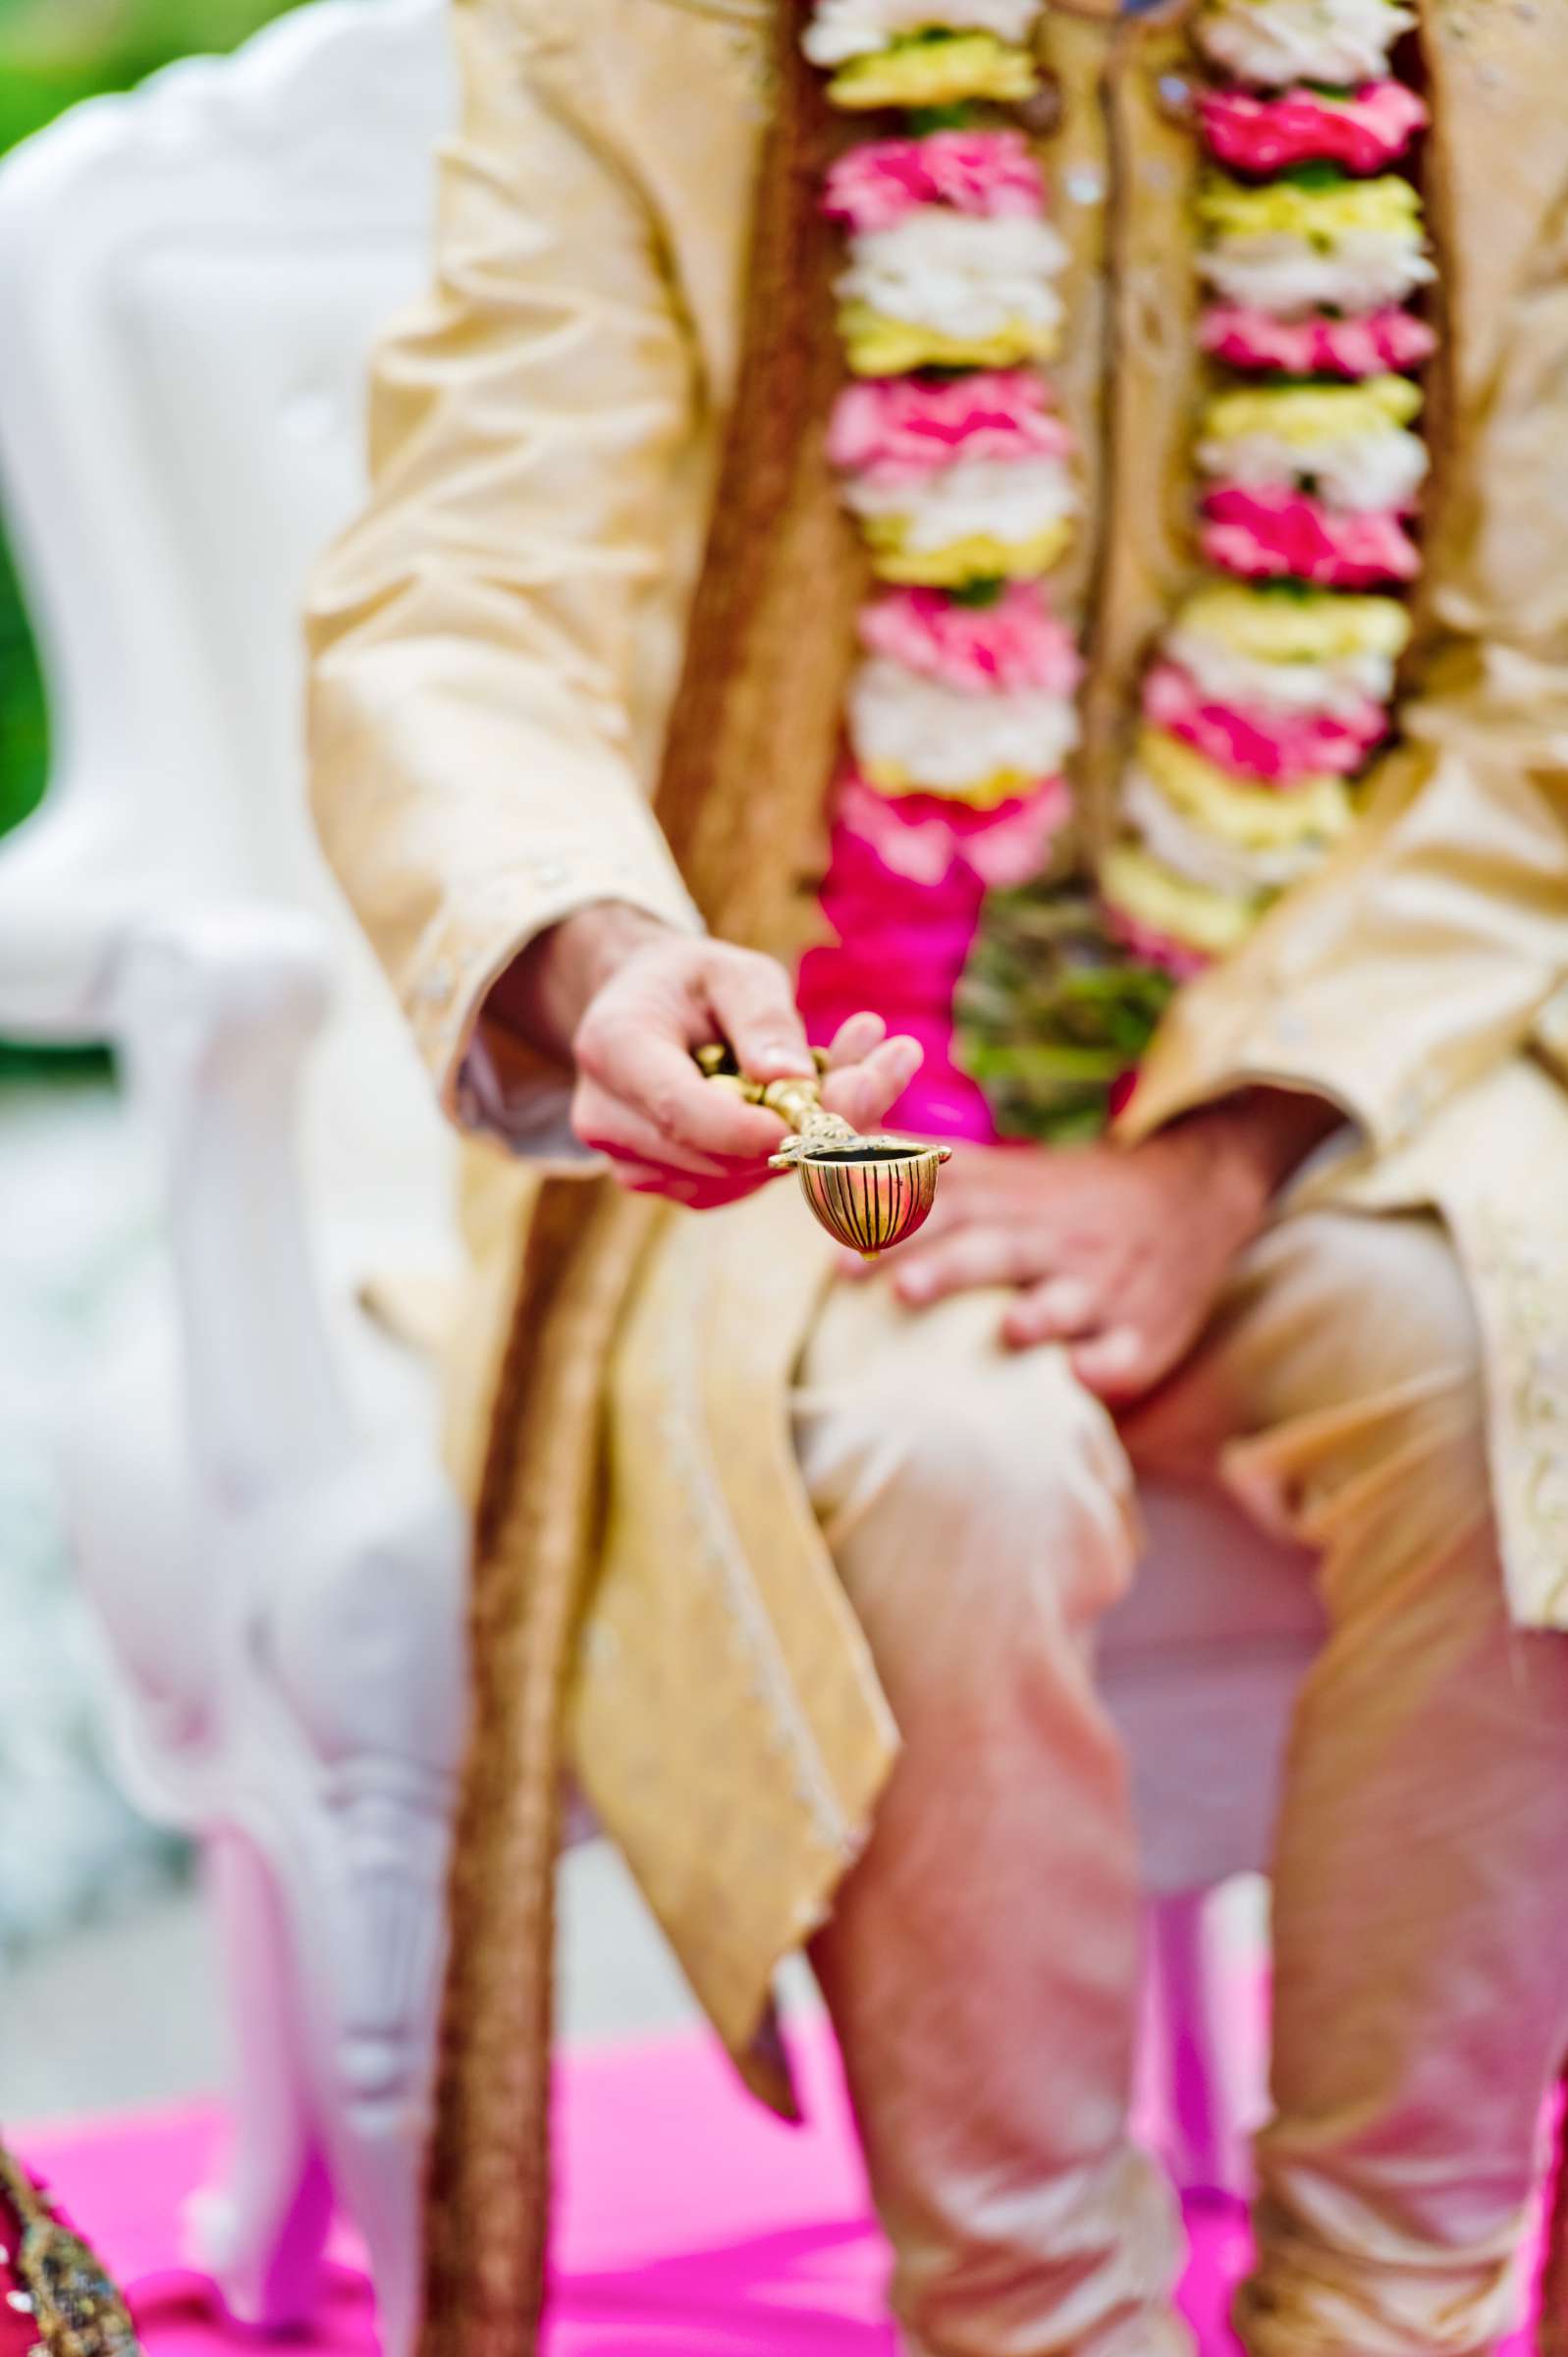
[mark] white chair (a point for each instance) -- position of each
(189, 279)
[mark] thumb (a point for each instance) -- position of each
(754, 1008)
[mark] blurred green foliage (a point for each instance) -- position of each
(53, 53)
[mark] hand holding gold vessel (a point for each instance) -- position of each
(868, 1192)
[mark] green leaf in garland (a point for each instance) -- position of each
(1052, 1012)
(987, 592)
(1315, 172)
(923, 119)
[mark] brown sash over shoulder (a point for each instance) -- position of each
(747, 767)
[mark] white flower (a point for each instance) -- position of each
(1274, 42)
(1194, 852)
(1380, 471)
(1224, 677)
(1286, 276)
(1008, 499)
(943, 741)
(958, 273)
(843, 29)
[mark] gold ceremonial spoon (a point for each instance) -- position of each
(870, 1192)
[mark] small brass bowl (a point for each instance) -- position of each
(871, 1196)
(868, 1192)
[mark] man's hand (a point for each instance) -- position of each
(1117, 1252)
(626, 1000)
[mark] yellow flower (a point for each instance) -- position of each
(940, 72)
(1314, 626)
(1252, 818)
(1306, 413)
(978, 557)
(1227, 208)
(1158, 899)
(876, 344)
(892, 778)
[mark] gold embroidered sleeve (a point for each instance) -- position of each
(476, 641)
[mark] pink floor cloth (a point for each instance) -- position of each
(691, 2223)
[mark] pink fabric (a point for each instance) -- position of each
(940, 1101)
(1015, 643)
(1364, 133)
(1245, 337)
(900, 950)
(859, 884)
(1275, 535)
(907, 880)
(902, 430)
(991, 173)
(691, 2223)
(1275, 748)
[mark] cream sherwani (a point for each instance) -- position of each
(795, 1563)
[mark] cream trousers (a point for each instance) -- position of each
(981, 1965)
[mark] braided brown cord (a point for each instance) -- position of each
(756, 720)
(749, 750)
(76, 2307)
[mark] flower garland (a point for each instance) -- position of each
(958, 467)
(1273, 688)
(1270, 688)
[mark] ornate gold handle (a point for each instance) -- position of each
(870, 1192)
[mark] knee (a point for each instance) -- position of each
(983, 1489)
(1389, 1308)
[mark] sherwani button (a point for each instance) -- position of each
(1177, 97)
(1084, 186)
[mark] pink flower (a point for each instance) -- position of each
(1279, 747)
(903, 429)
(1244, 337)
(1364, 133)
(988, 172)
(1015, 644)
(1140, 941)
(920, 835)
(1272, 535)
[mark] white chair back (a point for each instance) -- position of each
(190, 279)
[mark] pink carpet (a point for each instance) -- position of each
(691, 2226)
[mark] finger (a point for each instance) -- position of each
(1114, 1365)
(1058, 1309)
(609, 1125)
(863, 1093)
(986, 1185)
(753, 1007)
(961, 1262)
(654, 1077)
(855, 1039)
(692, 1194)
(680, 1187)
